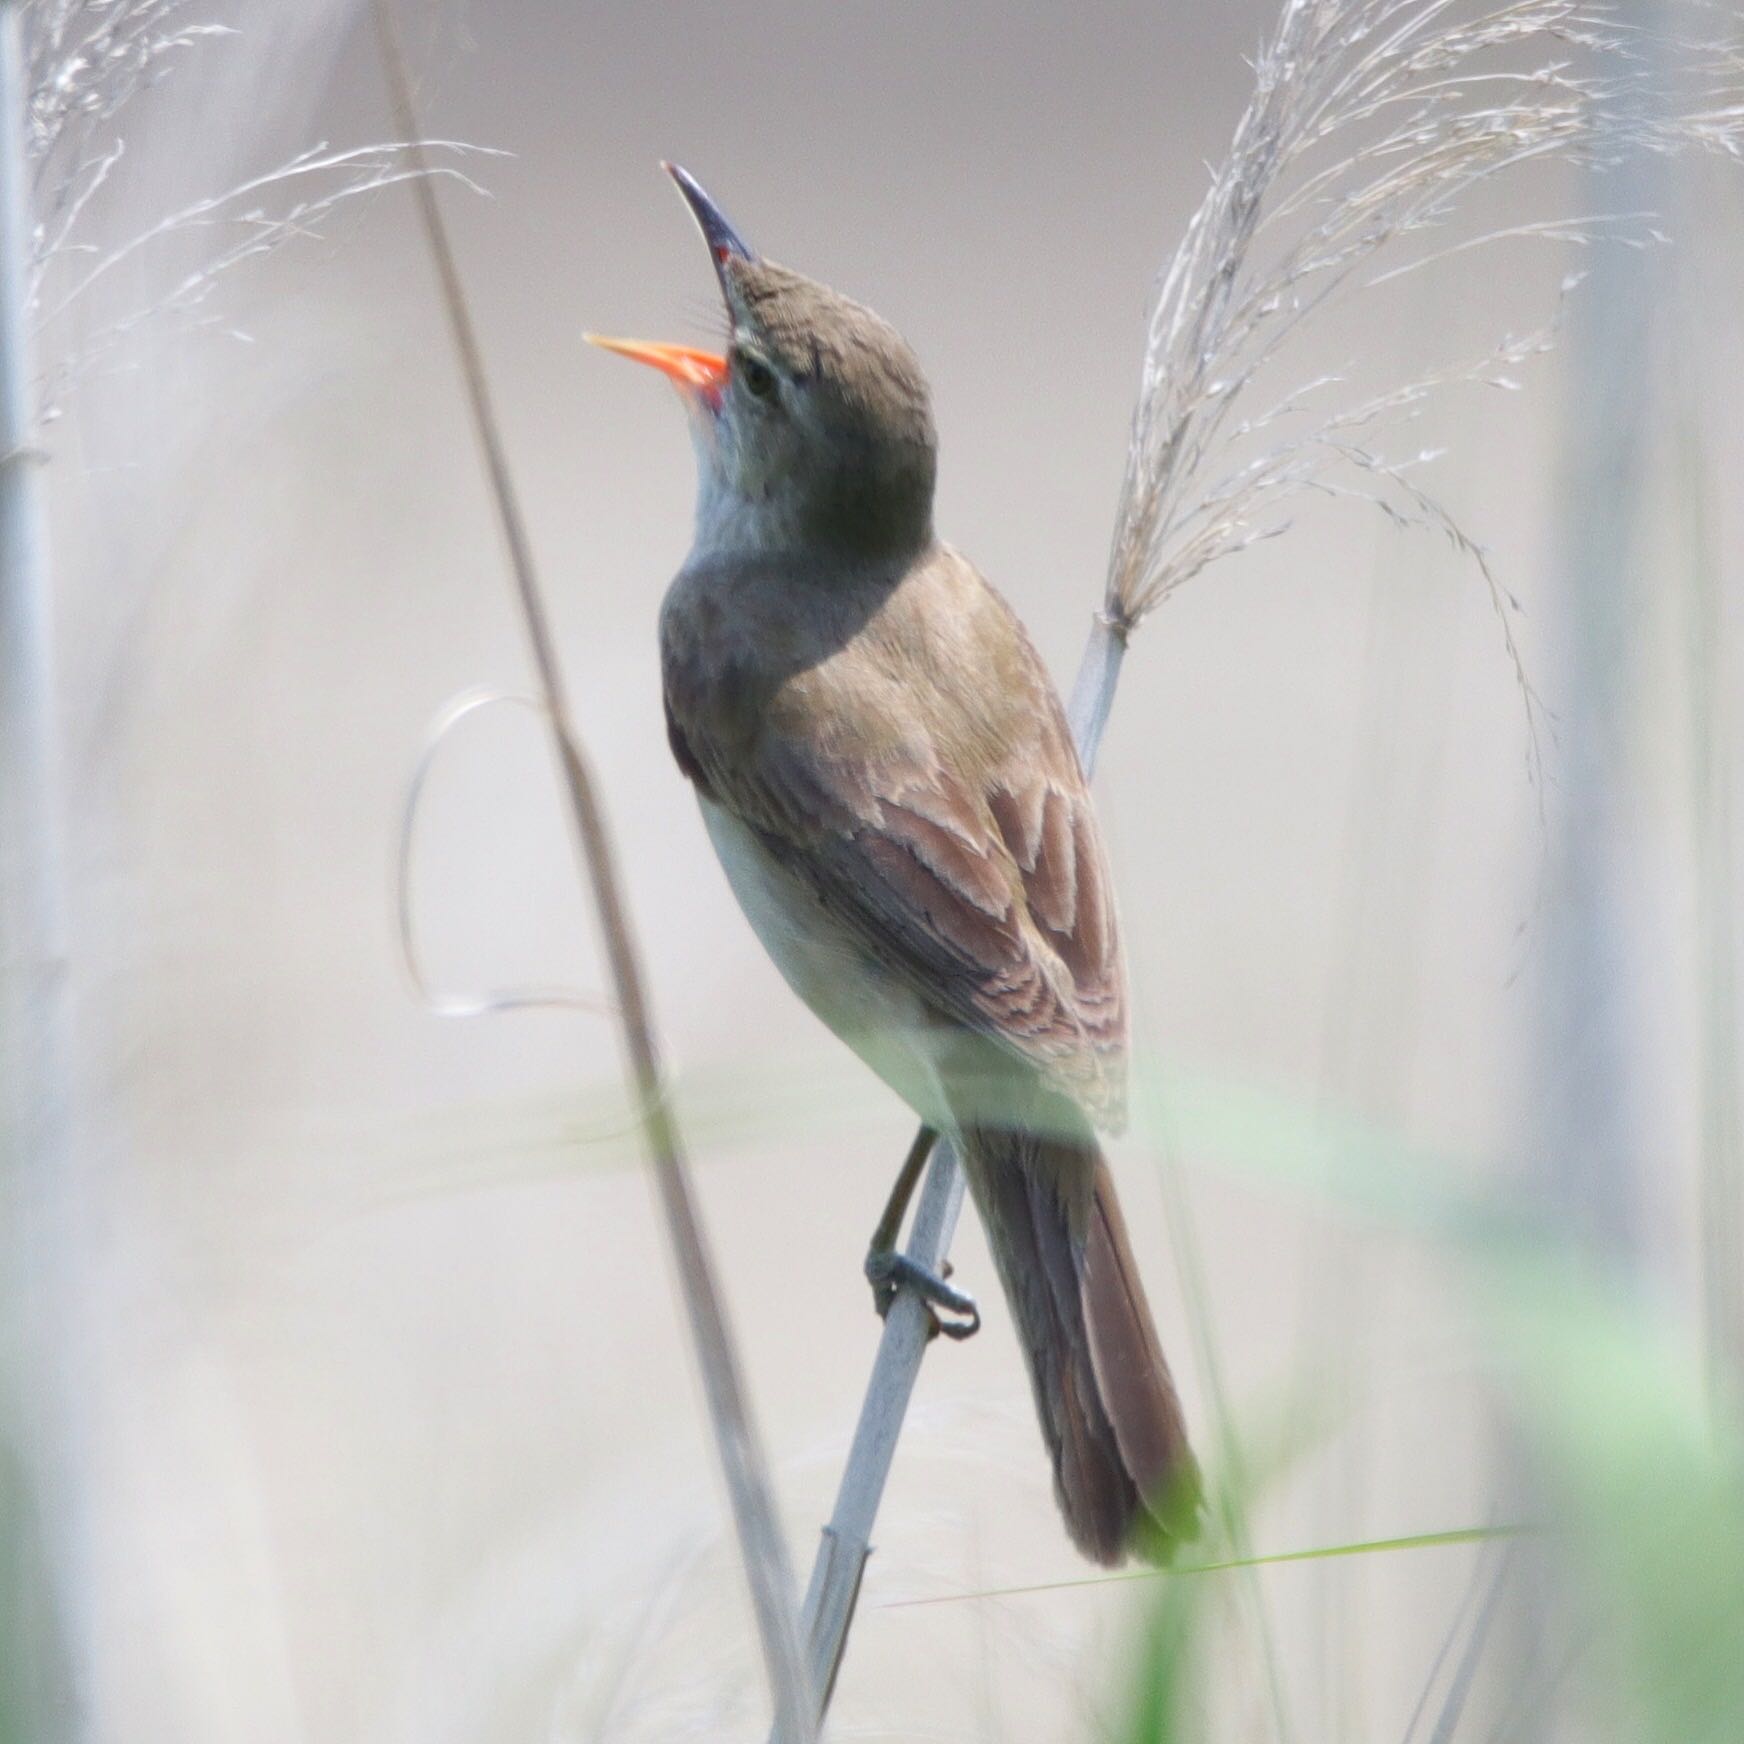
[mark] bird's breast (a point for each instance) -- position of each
(855, 996)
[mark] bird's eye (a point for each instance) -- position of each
(756, 376)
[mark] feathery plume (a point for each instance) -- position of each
(1371, 125)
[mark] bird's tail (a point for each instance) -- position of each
(1124, 1475)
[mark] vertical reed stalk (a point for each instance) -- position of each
(1587, 1141)
(35, 1060)
(1709, 655)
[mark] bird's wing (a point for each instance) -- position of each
(980, 880)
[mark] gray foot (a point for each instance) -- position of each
(889, 1272)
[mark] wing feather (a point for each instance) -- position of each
(1012, 939)
(964, 856)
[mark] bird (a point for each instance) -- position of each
(887, 777)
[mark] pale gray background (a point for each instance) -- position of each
(383, 1420)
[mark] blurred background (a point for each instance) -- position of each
(362, 1403)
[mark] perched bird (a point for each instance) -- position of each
(888, 779)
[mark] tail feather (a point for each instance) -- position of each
(1127, 1355)
(1123, 1473)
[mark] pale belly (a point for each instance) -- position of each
(869, 1009)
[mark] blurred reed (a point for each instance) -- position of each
(1622, 96)
(1373, 125)
(36, 1078)
(1713, 735)
(738, 1444)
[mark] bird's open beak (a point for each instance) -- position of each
(725, 243)
(702, 372)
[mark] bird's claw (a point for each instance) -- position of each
(889, 1272)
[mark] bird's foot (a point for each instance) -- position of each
(890, 1272)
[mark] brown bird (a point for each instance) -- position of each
(889, 782)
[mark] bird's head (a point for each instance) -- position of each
(814, 431)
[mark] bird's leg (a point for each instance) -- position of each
(888, 1270)
(889, 1230)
